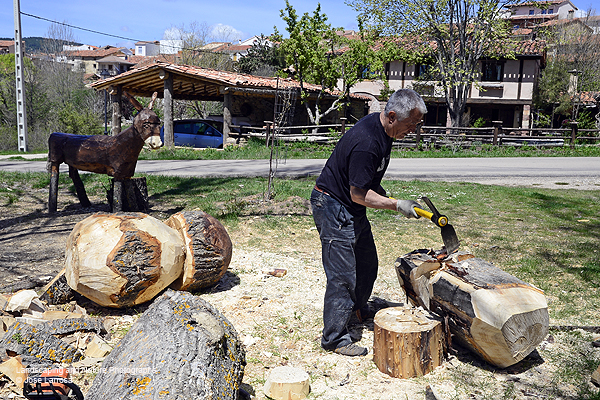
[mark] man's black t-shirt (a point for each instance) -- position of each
(359, 159)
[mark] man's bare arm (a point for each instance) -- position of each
(372, 199)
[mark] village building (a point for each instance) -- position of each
(504, 92)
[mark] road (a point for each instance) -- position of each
(549, 172)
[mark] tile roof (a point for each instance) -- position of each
(99, 53)
(197, 81)
(538, 3)
(7, 43)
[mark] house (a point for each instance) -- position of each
(7, 47)
(504, 93)
(146, 49)
(86, 61)
(533, 13)
(113, 65)
(235, 51)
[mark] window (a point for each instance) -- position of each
(426, 72)
(492, 71)
(551, 11)
(543, 11)
(531, 12)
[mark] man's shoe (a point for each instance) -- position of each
(351, 350)
(364, 314)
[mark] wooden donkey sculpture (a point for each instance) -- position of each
(115, 156)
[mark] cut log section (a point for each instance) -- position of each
(496, 315)
(408, 342)
(119, 260)
(180, 348)
(128, 195)
(287, 383)
(208, 249)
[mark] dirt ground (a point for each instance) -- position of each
(278, 318)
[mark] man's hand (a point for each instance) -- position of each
(407, 208)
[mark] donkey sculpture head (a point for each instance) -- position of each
(146, 123)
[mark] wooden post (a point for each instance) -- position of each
(408, 342)
(497, 131)
(343, 130)
(573, 133)
(168, 108)
(226, 117)
(418, 135)
(115, 94)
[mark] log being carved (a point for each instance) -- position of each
(115, 156)
(496, 315)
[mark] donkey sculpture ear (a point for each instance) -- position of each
(151, 104)
(133, 101)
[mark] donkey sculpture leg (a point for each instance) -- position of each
(81, 194)
(53, 195)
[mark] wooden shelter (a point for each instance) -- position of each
(249, 96)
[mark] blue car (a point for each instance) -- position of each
(195, 133)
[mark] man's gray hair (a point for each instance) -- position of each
(403, 101)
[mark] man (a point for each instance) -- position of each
(350, 182)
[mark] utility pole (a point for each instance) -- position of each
(20, 81)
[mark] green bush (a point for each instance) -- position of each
(80, 122)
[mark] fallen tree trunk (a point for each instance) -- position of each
(180, 348)
(499, 317)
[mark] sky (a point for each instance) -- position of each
(149, 19)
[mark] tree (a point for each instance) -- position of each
(457, 32)
(193, 39)
(319, 56)
(264, 58)
(572, 69)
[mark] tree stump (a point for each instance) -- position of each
(128, 195)
(119, 260)
(287, 383)
(496, 315)
(180, 348)
(407, 342)
(208, 249)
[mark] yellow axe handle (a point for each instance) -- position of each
(442, 220)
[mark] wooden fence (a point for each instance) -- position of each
(436, 136)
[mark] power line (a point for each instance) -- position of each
(109, 34)
(78, 27)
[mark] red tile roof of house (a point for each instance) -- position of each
(99, 53)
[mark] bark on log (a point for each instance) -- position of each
(208, 249)
(407, 342)
(180, 348)
(27, 340)
(57, 291)
(132, 196)
(119, 260)
(499, 317)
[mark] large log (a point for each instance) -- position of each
(208, 249)
(123, 259)
(407, 342)
(496, 315)
(180, 348)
